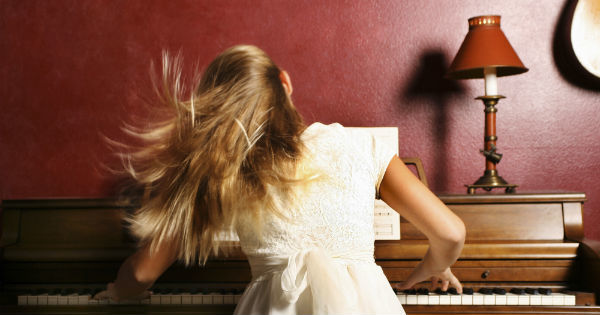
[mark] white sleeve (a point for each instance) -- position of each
(382, 154)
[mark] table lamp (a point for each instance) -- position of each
(486, 53)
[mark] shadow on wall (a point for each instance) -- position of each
(564, 56)
(429, 88)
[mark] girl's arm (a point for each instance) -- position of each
(405, 193)
(139, 271)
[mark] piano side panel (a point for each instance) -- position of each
(590, 266)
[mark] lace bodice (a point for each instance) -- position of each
(333, 212)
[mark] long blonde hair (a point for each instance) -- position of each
(218, 154)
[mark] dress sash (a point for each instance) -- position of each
(327, 277)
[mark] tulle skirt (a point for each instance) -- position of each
(311, 282)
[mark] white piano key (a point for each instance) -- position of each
(401, 298)
(512, 299)
(434, 299)
(165, 299)
(501, 299)
(32, 300)
(73, 299)
(236, 298)
(523, 299)
(207, 299)
(176, 299)
(489, 299)
(228, 299)
(535, 300)
(63, 300)
(42, 299)
(455, 300)
(218, 299)
(477, 298)
(467, 299)
(83, 299)
(422, 299)
(558, 299)
(569, 299)
(104, 302)
(93, 302)
(444, 300)
(155, 299)
(186, 298)
(411, 299)
(197, 298)
(546, 299)
(22, 299)
(52, 299)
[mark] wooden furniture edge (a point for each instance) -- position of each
(513, 198)
(40, 203)
(589, 251)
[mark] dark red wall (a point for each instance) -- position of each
(72, 70)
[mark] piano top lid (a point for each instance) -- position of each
(528, 197)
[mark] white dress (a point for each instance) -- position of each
(320, 260)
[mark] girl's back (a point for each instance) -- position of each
(324, 247)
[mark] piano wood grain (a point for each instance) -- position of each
(516, 240)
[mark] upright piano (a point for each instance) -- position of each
(524, 254)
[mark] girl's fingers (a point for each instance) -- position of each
(144, 295)
(445, 284)
(455, 283)
(434, 282)
(102, 295)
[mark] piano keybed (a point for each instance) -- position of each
(231, 297)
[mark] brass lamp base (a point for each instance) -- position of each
(489, 181)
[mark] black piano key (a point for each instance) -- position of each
(67, 291)
(468, 291)
(440, 292)
(410, 292)
(55, 292)
(532, 291)
(96, 291)
(485, 291)
(452, 291)
(545, 291)
(517, 291)
(40, 291)
(423, 291)
(499, 291)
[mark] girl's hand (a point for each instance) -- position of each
(110, 293)
(443, 280)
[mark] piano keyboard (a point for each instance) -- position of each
(408, 297)
(486, 297)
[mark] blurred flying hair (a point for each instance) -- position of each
(222, 150)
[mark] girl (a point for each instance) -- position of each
(300, 198)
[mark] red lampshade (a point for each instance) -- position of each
(485, 46)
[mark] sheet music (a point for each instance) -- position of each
(387, 220)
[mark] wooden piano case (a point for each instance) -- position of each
(513, 240)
